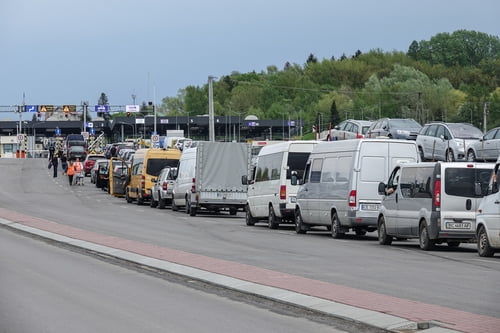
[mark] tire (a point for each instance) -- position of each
(449, 156)
(383, 237)
(299, 223)
(153, 203)
(174, 206)
(272, 220)
(471, 157)
(249, 219)
(128, 198)
(192, 211)
(336, 233)
(425, 242)
(484, 248)
(162, 202)
(421, 152)
(233, 211)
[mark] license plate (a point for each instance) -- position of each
(458, 225)
(369, 206)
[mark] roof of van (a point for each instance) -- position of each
(156, 151)
(347, 145)
(285, 146)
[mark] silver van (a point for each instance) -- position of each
(435, 202)
(339, 187)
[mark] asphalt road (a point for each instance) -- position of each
(45, 288)
(454, 278)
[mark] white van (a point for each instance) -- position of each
(339, 187)
(270, 194)
(435, 202)
(488, 218)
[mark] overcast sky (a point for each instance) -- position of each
(64, 52)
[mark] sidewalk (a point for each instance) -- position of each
(386, 312)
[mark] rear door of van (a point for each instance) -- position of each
(459, 200)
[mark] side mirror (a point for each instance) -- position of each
(381, 188)
(244, 180)
(293, 179)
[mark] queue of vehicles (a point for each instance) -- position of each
(358, 185)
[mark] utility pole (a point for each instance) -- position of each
(486, 111)
(211, 125)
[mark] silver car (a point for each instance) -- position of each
(446, 141)
(161, 192)
(350, 129)
(487, 148)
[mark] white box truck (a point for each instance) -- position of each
(209, 177)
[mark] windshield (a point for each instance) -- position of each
(464, 131)
(405, 123)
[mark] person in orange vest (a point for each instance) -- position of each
(70, 172)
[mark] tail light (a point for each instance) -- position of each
(193, 187)
(359, 136)
(164, 186)
(437, 193)
(283, 192)
(143, 181)
(352, 198)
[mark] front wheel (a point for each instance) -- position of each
(272, 220)
(425, 242)
(383, 237)
(484, 248)
(249, 219)
(299, 223)
(471, 157)
(449, 156)
(162, 202)
(128, 198)
(175, 208)
(336, 228)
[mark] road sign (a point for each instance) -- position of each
(31, 108)
(20, 138)
(132, 108)
(90, 124)
(101, 108)
(46, 108)
(85, 135)
(92, 131)
(69, 108)
(155, 138)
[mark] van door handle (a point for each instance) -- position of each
(468, 204)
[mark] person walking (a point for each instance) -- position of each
(64, 163)
(70, 171)
(55, 162)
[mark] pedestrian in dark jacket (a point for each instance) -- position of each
(55, 162)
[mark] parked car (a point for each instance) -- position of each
(350, 129)
(161, 192)
(94, 172)
(339, 188)
(446, 141)
(487, 148)
(394, 128)
(435, 202)
(488, 218)
(89, 161)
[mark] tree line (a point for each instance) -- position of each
(452, 77)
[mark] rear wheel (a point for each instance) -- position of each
(249, 219)
(336, 228)
(484, 248)
(299, 223)
(383, 237)
(174, 206)
(162, 202)
(153, 203)
(426, 243)
(128, 198)
(272, 220)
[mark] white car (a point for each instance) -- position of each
(487, 148)
(488, 218)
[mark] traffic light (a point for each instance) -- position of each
(128, 113)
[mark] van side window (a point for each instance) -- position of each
(461, 182)
(494, 179)
(392, 183)
(317, 164)
(296, 162)
(306, 173)
(327, 174)
(407, 182)
(269, 167)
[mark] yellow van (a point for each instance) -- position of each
(145, 166)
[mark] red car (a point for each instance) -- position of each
(90, 161)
